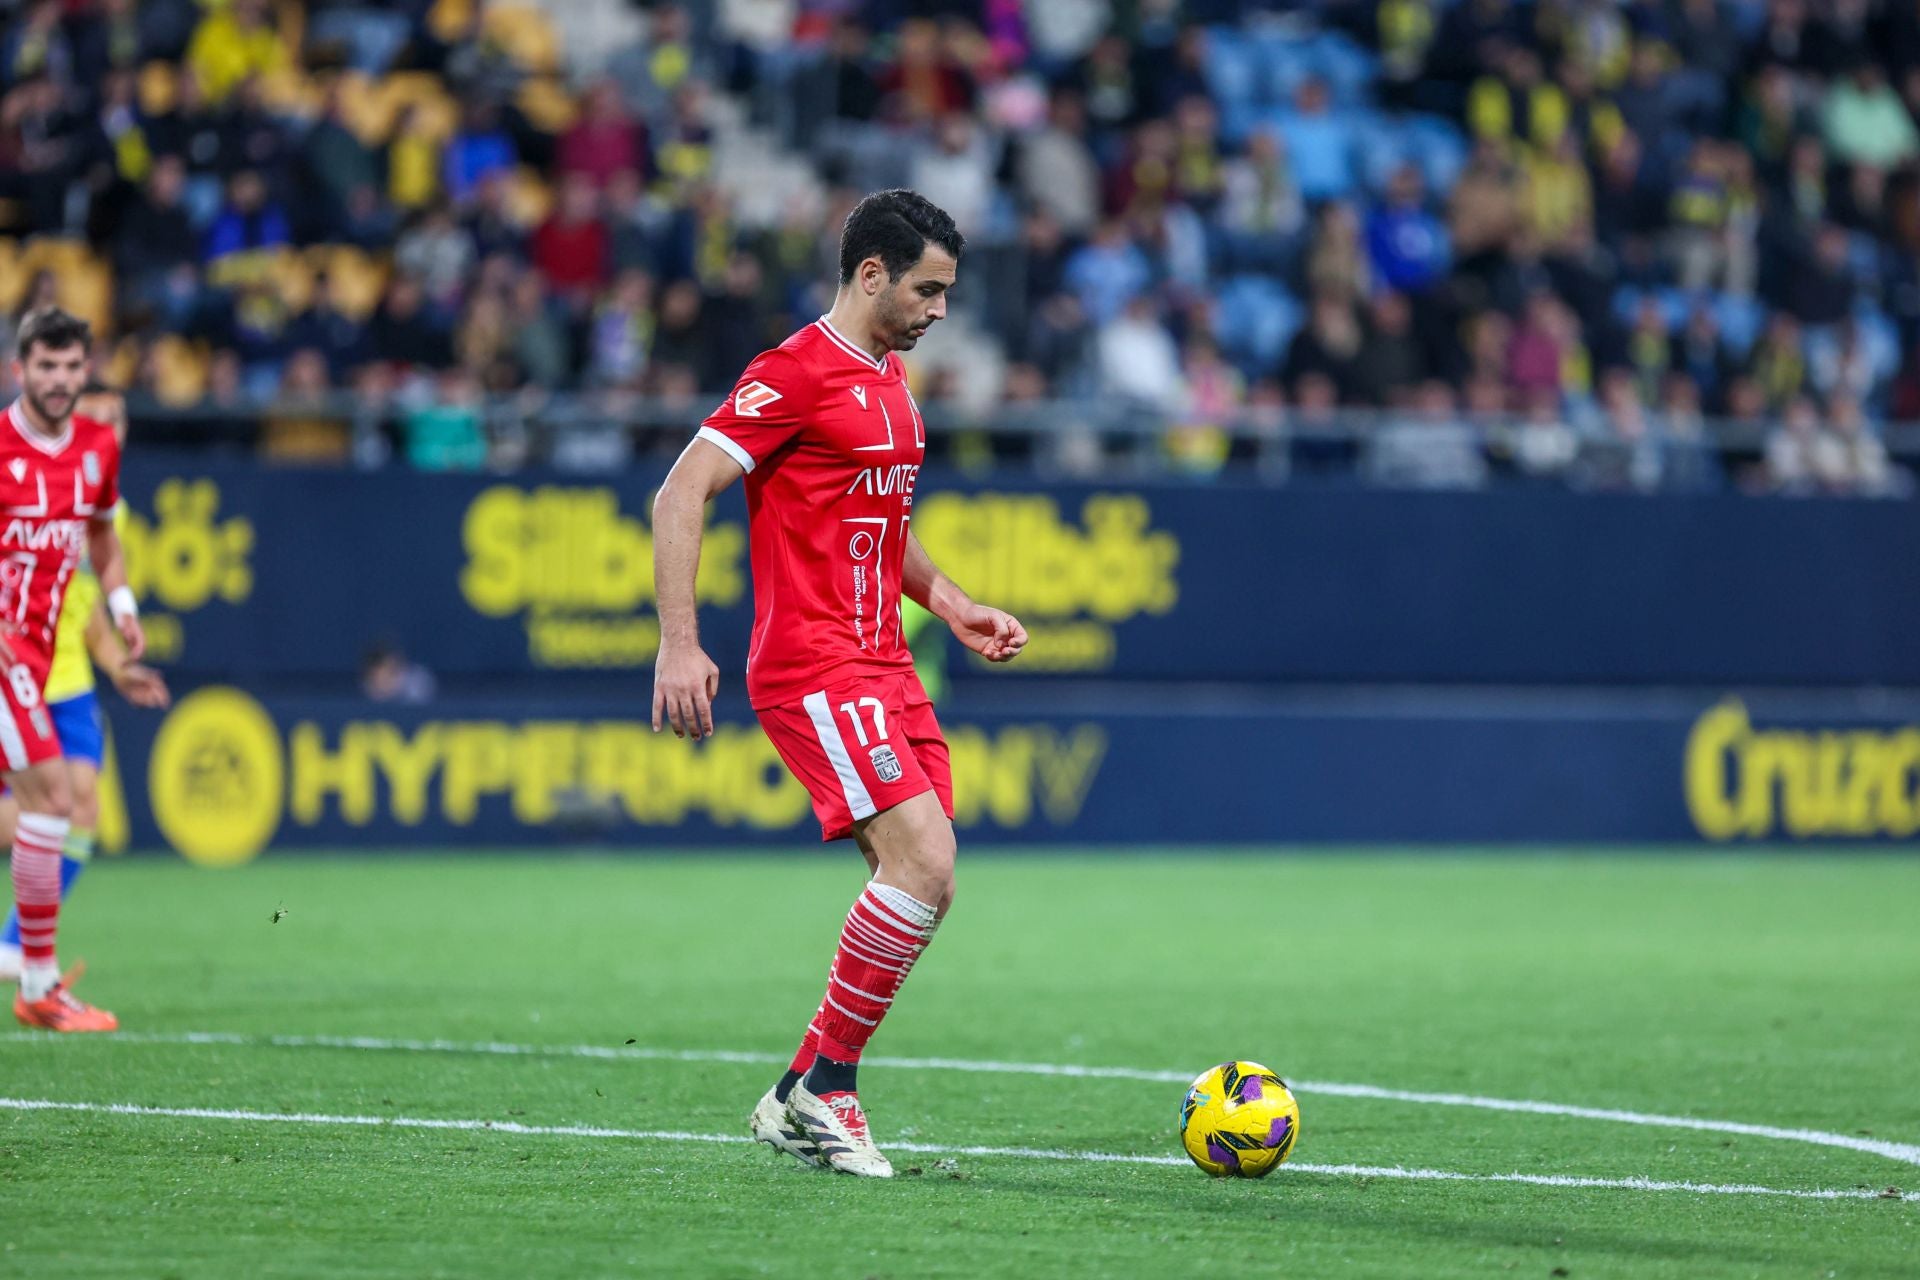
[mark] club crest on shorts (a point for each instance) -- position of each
(885, 764)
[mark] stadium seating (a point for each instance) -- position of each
(717, 138)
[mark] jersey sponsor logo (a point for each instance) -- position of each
(749, 400)
(880, 482)
(860, 394)
(38, 535)
(886, 765)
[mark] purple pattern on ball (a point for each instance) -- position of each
(1222, 1155)
(1250, 1090)
(1278, 1132)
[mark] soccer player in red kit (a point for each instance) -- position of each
(830, 442)
(59, 485)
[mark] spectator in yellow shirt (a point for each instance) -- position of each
(234, 43)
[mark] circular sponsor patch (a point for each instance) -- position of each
(217, 778)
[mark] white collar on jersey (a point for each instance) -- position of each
(34, 438)
(847, 345)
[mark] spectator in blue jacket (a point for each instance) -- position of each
(1406, 244)
(248, 220)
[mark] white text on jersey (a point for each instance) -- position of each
(879, 482)
(38, 535)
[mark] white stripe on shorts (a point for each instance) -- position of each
(859, 803)
(12, 745)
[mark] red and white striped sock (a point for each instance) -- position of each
(809, 1044)
(36, 892)
(885, 933)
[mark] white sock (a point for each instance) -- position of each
(38, 978)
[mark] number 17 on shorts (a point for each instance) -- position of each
(860, 747)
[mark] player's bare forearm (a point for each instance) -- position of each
(103, 642)
(679, 521)
(994, 634)
(685, 681)
(110, 567)
(103, 549)
(927, 587)
(138, 683)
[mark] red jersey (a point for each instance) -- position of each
(49, 491)
(831, 442)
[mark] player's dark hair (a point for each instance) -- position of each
(55, 329)
(896, 227)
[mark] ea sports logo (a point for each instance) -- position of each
(217, 778)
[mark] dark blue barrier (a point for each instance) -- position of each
(257, 573)
(225, 775)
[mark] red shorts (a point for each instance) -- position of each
(861, 746)
(27, 737)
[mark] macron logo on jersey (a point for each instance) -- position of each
(749, 400)
(860, 394)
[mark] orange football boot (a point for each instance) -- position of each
(61, 1010)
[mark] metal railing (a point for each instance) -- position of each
(603, 430)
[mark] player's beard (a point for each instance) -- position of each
(896, 322)
(42, 406)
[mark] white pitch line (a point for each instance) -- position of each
(1904, 1152)
(926, 1148)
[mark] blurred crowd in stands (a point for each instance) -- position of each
(1640, 243)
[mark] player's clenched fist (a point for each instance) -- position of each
(994, 634)
(685, 683)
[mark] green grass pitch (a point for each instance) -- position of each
(1768, 990)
